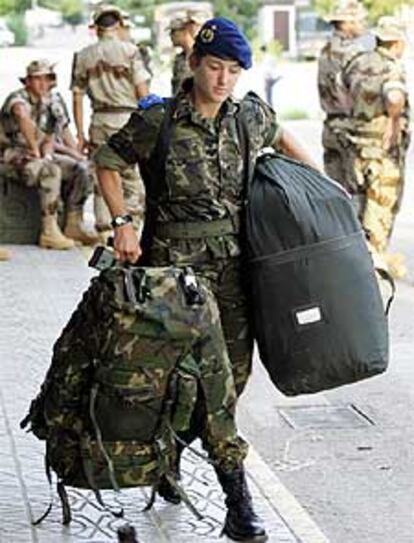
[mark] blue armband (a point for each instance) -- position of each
(149, 101)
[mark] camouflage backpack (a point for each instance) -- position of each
(123, 379)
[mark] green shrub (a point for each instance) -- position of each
(17, 25)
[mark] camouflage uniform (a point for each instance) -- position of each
(181, 70)
(138, 354)
(335, 102)
(43, 173)
(76, 181)
(379, 173)
(199, 218)
(108, 72)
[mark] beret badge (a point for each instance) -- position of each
(207, 34)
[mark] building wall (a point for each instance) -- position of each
(266, 24)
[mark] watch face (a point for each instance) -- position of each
(120, 220)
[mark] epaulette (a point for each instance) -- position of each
(149, 101)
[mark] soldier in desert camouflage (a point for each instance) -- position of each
(345, 42)
(183, 30)
(380, 135)
(112, 74)
(28, 125)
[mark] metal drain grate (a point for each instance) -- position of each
(325, 417)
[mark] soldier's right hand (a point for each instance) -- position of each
(83, 145)
(126, 244)
(33, 153)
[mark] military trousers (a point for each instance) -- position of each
(77, 183)
(381, 183)
(132, 184)
(62, 177)
(227, 279)
(337, 156)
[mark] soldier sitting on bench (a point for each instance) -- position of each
(28, 126)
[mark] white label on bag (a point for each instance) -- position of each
(308, 316)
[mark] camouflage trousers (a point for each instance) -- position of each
(205, 374)
(380, 182)
(227, 280)
(77, 184)
(337, 159)
(53, 178)
(132, 184)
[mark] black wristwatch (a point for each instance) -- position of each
(120, 220)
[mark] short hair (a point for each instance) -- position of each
(106, 20)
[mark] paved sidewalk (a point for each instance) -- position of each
(38, 292)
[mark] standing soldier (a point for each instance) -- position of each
(28, 125)
(198, 216)
(183, 30)
(112, 74)
(377, 84)
(344, 43)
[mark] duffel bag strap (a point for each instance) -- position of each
(384, 274)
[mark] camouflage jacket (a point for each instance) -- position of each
(181, 70)
(335, 55)
(204, 167)
(40, 113)
(368, 77)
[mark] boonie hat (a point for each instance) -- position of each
(183, 19)
(177, 24)
(347, 10)
(37, 68)
(222, 38)
(390, 29)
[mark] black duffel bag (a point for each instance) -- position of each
(318, 313)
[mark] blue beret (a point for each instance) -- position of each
(221, 38)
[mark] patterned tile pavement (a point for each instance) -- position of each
(38, 292)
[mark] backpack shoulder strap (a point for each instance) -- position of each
(155, 184)
(156, 162)
(244, 140)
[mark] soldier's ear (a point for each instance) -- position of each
(194, 61)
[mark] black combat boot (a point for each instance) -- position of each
(127, 534)
(242, 523)
(168, 492)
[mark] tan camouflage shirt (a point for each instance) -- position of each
(335, 55)
(40, 113)
(108, 72)
(204, 164)
(181, 70)
(369, 77)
